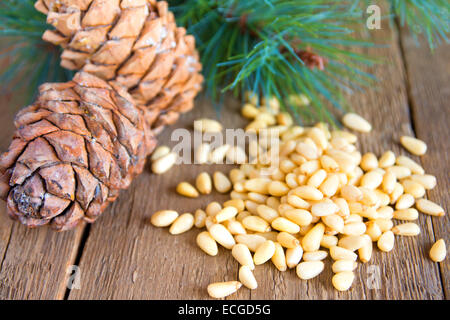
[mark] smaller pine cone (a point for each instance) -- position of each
(134, 42)
(73, 150)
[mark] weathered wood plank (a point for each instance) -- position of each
(122, 246)
(33, 262)
(428, 78)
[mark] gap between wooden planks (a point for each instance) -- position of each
(124, 257)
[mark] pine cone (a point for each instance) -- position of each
(73, 150)
(136, 43)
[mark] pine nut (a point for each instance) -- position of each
(309, 269)
(406, 214)
(383, 198)
(308, 193)
(344, 210)
(309, 151)
(317, 178)
(218, 154)
(350, 137)
(291, 180)
(266, 118)
(404, 202)
(259, 185)
(252, 241)
(427, 180)
(237, 203)
(242, 215)
(283, 224)
(354, 229)
(371, 180)
(209, 221)
(163, 218)
(207, 243)
(365, 252)
(249, 111)
(236, 155)
(287, 240)
(213, 208)
(373, 230)
(202, 153)
(321, 209)
(221, 182)
(315, 255)
(207, 125)
(293, 256)
(257, 197)
(285, 119)
(410, 164)
(255, 223)
(384, 224)
(356, 122)
(269, 235)
(369, 162)
(389, 180)
(338, 253)
(351, 193)
(334, 221)
(400, 171)
(163, 164)
(204, 183)
(438, 251)
(370, 198)
(222, 235)
(406, 229)
(328, 241)
(342, 281)
(242, 255)
(273, 202)
(279, 258)
(182, 224)
(251, 206)
(330, 186)
(236, 175)
(247, 278)
(329, 164)
(396, 193)
(387, 159)
(187, 190)
(311, 240)
(344, 265)
(298, 216)
(278, 188)
(297, 202)
(223, 289)
(413, 145)
(429, 207)
(413, 188)
(199, 218)
(264, 252)
(225, 214)
(386, 241)
(351, 243)
(235, 227)
(267, 213)
(159, 152)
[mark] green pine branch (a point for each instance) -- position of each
(30, 60)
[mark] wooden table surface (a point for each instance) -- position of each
(122, 256)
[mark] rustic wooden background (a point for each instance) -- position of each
(121, 256)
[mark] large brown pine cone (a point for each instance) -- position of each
(73, 150)
(136, 43)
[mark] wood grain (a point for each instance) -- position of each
(429, 93)
(124, 257)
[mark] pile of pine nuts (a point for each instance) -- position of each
(324, 198)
